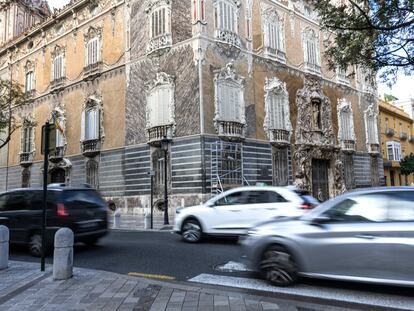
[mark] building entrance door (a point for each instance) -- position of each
(57, 176)
(320, 187)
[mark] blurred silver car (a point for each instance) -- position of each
(364, 235)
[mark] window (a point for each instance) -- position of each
(394, 150)
(232, 199)
(159, 102)
(280, 167)
(311, 49)
(229, 96)
(371, 126)
(225, 13)
(92, 52)
(60, 131)
(362, 208)
(273, 32)
(159, 170)
(346, 122)
(401, 207)
(263, 197)
(26, 178)
(58, 67)
(91, 124)
(159, 22)
(27, 139)
(92, 173)
(277, 113)
(29, 82)
(198, 10)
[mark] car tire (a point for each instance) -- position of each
(191, 231)
(278, 266)
(35, 244)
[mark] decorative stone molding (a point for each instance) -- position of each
(27, 156)
(58, 50)
(158, 43)
(152, 4)
(157, 132)
(232, 129)
(93, 32)
(344, 107)
(277, 136)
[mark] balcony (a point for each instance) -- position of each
(389, 132)
(279, 137)
(55, 156)
(157, 133)
(26, 159)
(161, 42)
(411, 139)
(342, 78)
(403, 136)
(228, 37)
(57, 84)
(231, 130)
(348, 145)
(91, 147)
(30, 94)
(93, 70)
(374, 148)
(312, 68)
(275, 54)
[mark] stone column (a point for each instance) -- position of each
(4, 247)
(63, 254)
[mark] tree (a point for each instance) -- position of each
(11, 97)
(389, 97)
(407, 165)
(376, 34)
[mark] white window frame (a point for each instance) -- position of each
(226, 15)
(276, 105)
(346, 130)
(93, 51)
(60, 135)
(394, 150)
(29, 81)
(160, 102)
(58, 67)
(311, 49)
(273, 32)
(229, 85)
(27, 138)
(92, 120)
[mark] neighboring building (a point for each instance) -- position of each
(407, 105)
(397, 141)
(239, 87)
(72, 68)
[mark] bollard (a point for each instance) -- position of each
(4, 247)
(117, 218)
(63, 254)
(147, 219)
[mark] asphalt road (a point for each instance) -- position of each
(161, 253)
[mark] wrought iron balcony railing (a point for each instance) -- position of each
(91, 147)
(157, 133)
(228, 37)
(231, 130)
(279, 137)
(389, 132)
(374, 148)
(403, 136)
(411, 139)
(57, 155)
(92, 69)
(26, 158)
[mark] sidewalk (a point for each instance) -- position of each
(137, 222)
(24, 288)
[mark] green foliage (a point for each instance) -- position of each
(378, 35)
(389, 97)
(11, 97)
(407, 165)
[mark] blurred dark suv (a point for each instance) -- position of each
(81, 209)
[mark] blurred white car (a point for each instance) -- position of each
(233, 212)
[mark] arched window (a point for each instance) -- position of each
(346, 121)
(159, 17)
(93, 43)
(276, 105)
(91, 120)
(273, 35)
(226, 15)
(311, 51)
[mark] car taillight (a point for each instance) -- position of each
(306, 206)
(61, 210)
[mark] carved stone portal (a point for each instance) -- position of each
(315, 139)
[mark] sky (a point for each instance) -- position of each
(403, 89)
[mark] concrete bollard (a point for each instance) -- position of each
(4, 247)
(117, 218)
(147, 219)
(63, 254)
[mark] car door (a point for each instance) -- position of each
(228, 216)
(351, 241)
(401, 231)
(16, 211)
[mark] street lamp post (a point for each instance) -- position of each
(164, 146)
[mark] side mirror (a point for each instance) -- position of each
(320, 220)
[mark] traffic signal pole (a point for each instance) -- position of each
(45, 171)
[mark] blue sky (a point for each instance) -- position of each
(404, 88)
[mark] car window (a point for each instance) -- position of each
(3, 202)
(82, 199)
(401, 206)
(16, 201)
(263, 196)
(232, 199)
(363, 208)
(36, 199)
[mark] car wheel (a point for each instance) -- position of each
(35, 244)
(191, 231)
(278, 266)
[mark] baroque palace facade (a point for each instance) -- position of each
(238, 88)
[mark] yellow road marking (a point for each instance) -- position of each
(151, 276)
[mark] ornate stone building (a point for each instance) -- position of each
(238, 88)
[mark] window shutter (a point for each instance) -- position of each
(83, 125)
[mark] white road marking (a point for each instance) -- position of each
(369, 298)
(232, 266)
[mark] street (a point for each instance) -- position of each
(162, 255)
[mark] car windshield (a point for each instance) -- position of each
(82, 198)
